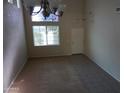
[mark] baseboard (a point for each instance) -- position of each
(15, 77)
(49, 56)
(56, 55)
(78, 54)
(102, 68)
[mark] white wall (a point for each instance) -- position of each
(14, 43)
(102, 35)
(70, 21)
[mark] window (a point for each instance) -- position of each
(45, 35)
(45, 31)
(39, 17)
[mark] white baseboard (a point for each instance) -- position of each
(102, 68)
(50, 56)
(15, 77)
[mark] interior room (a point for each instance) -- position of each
(61, 46)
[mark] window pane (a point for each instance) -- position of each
(39, 35)
(53, 35)
(40, 17)
(52, 18)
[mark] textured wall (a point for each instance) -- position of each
(70, 21)
(102, 35)
(14, 44)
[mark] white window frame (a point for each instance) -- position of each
(45, 24)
